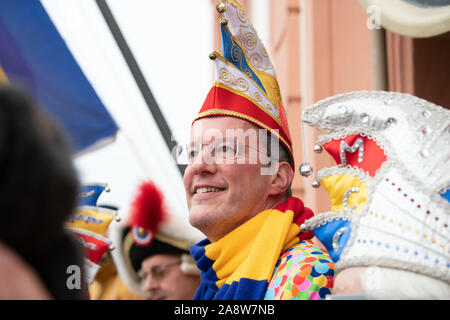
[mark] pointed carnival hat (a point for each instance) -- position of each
(151, 228)
(390, 191)
(245, 83)
(90, 224)
(411, 18)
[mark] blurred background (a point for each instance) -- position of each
(137, 72)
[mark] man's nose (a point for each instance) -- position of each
(204, 162)
(151, 284)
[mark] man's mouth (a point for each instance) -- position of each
(203, 190)
(157, 295)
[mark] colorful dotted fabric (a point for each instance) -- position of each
(303, 272)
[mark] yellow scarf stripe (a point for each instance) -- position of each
(252, 250)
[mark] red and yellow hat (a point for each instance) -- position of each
(245, 83)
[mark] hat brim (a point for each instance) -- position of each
(137, 254)
(128, 256)
(123, 265)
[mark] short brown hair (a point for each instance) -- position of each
(283, 156)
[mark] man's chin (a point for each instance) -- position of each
(159, 297)
(200, 216)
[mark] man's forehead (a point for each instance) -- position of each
(159, 259)
(211, 127)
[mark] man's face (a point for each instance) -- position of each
(164, 279)
(222, 196)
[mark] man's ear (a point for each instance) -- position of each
(281, 179)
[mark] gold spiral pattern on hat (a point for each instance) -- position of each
(225, 75)
(249, 40)
(263, 50)
(248, 73)
(241, 84)
(257, 61)
(250, 96)
(239, 9)
(236, 53)
(241, 15)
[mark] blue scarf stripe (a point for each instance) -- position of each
(245, 289)
(208, 287)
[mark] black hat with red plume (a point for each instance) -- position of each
(151, 228)
(146, 215)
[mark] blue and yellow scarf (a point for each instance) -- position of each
(239, 266)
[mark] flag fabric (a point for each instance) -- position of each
(90, 194)
(89, 224)
(94, 219)
(33, 55)
(95, 244)
(95, 247)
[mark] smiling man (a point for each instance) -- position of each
(237, 182)
(223, 196)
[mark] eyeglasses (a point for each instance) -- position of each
(218, 151)
(158, 272)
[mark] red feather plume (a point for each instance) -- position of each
(147, 208)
